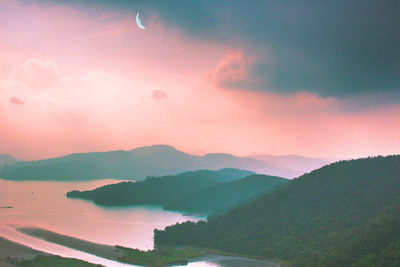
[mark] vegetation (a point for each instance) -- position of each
(344, 214)
(159, 257)
(167, 256)
(154, 258)
(158, 190)
(55, 261)
(222, 196)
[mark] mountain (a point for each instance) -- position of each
(222, 196)
(299, 164)
(158, 190)
(343, 214)
(134, 164)
(6, 159)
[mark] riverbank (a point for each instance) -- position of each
(100, 250)
(159, 257)
(13, 254)
(235, 261)
(162, 256)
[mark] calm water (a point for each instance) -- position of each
(44, 204)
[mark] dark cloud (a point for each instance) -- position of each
(16, 101)
(158, 94)
(333, 48)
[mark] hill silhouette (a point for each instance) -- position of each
(158, 190)
(134, 164)
(296, 163)
(8, 160)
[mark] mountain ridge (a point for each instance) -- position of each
(135, 164)
(299, 163)
(7, 160)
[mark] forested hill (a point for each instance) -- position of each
(344, 214)
(158, 190)
(222, 196)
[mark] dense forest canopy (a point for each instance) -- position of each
(222, 196)
(343, 214)
(158, 190)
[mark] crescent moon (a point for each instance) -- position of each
(139, 22)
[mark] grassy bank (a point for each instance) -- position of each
(55, 261)
(158, 257)
(13, 255)
(161, 256)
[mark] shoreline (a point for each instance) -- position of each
(138, 258)
(236, 261)
(10, 250)
(21, 251)
(104, 251)
(13, 254)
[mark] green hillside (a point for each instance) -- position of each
(158, 190)
(225, 195)
(344, 214)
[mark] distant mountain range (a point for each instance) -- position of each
(6, 159)
(344, 214)
(296, 163)
(155, 160)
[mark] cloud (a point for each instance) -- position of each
(233, 72)
(34, 74)
(330, 48)
(158, 94)
(239, 71)
(16, 101)
(50, 90)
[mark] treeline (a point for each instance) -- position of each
(201, 191)
(158, 190)
(223, 196)
(344, 214)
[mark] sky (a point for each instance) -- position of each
(315, 78)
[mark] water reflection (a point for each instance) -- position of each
(43, 204)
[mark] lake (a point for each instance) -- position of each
(44, 204)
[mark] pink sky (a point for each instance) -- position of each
(75, 81)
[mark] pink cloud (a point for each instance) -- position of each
(158, 94)
(16, 100)
(34, 74)
(233, 71)
(86, 82)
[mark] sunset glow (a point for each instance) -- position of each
(79, 79)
